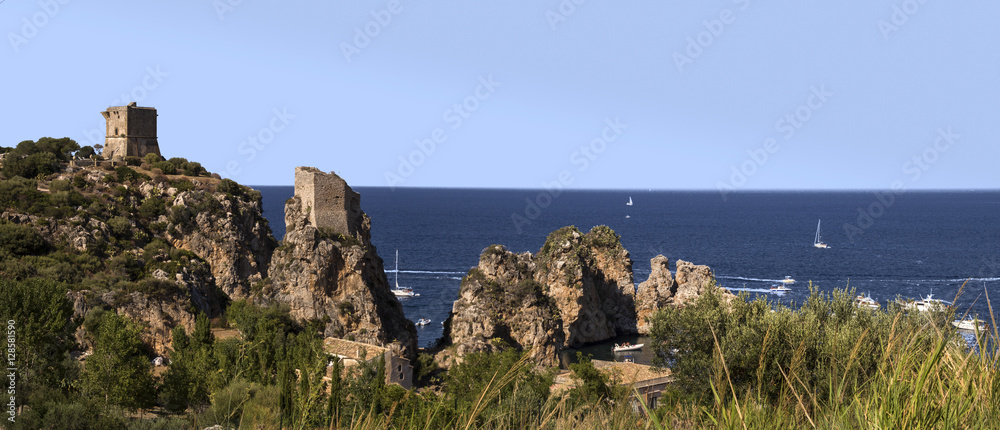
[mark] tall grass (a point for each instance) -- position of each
(905, 371)
(939, 384)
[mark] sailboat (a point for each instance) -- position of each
(402, 291)
(629, 201)
(818, 242)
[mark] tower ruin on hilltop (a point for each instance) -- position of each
(131, 132)
(330, 201)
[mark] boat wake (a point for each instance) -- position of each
(750, 290)
(740, 278)
(427, 272)
(852, 279)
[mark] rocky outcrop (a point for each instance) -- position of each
(589, 276)
(338, 279)
(663, 289)
(158, 306)
(500, 304)
(691, 280)
(227, 230)
(655, 293)
(577, 290)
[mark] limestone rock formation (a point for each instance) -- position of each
(691, 281)
(589, 276)
(501, 303)
(328, 274)
(232, 236)
(174, 302)
(663, 289)
(577, 290)
(654, 293)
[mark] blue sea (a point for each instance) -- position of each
(910, 245)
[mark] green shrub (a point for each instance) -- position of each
(85, 152)
(71, 199)
(166, 167)
(59, 185)
(193, 168)
(133, 161)
(152, 208)
(21, 240)
(152, 158)
(182, 185)
(230, 186)
(126, 174)
(22, 194)
(125, 266)
(160, 289)
(17, 269)
(39, 164)
(120, 227)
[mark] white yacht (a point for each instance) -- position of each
(818, 241)
(401, 291)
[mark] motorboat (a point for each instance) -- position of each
(926, 304)
(627, 347)
(866, 301)
(780, 288)
(970, 323)
(423, 321)
(788, 280)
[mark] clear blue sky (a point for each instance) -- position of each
(877, 81)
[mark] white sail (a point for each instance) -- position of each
(629, 201)
(818, 241)
(402, 291)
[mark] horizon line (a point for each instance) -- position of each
(646, 190)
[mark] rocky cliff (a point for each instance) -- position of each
(500, 303)
(589, 276)
(338, 279)
(663, 289)
(233, 237)
(577, 290)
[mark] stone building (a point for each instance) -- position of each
(330, 202)
(131, 132)
(398, 370)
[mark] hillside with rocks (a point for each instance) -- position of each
(161, 249)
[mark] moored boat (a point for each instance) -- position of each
(627, 347)
(926, 304)
(401, 291)
(970, 323)
(866, 301)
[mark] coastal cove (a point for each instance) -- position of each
(925, 242)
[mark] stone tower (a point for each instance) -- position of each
(330, 201)
(131, 131)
